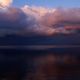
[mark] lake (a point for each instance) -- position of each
(40, 62)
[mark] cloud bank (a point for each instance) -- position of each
(38, 20)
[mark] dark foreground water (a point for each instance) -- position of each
(58, 63)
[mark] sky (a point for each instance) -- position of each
(48, 3)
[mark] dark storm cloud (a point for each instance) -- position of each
(14, 20)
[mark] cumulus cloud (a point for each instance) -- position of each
(5, 3)
(38, 20)
(55, 20)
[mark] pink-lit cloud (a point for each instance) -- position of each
(5, 3)
(38, 20)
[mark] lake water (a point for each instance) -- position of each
(40, 62)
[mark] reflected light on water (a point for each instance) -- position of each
(54, 67)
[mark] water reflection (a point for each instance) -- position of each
(54, 64)
(55, 67)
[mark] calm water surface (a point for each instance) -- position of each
(44, 62)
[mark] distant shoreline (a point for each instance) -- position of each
(36, 47)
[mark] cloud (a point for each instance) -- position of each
(15, 21)
(5, 3)
(56, 20)
(20, 21)
(38, 20)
